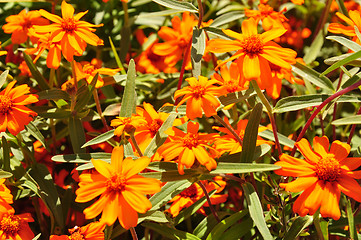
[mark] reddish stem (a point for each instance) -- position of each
(353, 129)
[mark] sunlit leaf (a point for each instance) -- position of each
(179, 5)
(297, 227)
(197, 50)
(129, 97)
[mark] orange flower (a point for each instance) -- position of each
(194, 193)
(176, 40)
(72, 33)
(92, 231)
(5, 197)
(127, 124)
(200, 94)
(228, 143)
(188, 147)
(270, 19)
(2, 52)
(24, 69)
(19, 25)
(347, 30)
(322, 176)
(120, 188)
(148, 61)
(255, 52)
(13, 114)
(15, 226)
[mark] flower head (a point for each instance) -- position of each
(72, 33)
(13, 114)
(120, 188)
(322, 176)
(188, 147)
(15, 226)
(270, 18)
(354, 20)
(200, 94)
(19, 25)
(127, 124)
(92, 231)
(254, 52)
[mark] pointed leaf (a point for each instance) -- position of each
(342, 62)
(179, 5)
(169, 233)
(197, 50)
(77, 134)
(348, 120)
(346, 42)
(43, 84)
(81, 157)
(226, 168)
(297, 227)
(99, 139)
(129, 97)
(3, 77)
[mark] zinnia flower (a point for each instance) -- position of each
(192, 194)
(15, 226)
(188, 147)
(270, 18)
(72, 33)
(322, 176)
(19, 25)
(255, 52)
(92, 231)
(120, 188)
(354, 20)
(13, 114)
(127, 124)
(200, 94)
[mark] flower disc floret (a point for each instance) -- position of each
(5, 104)
(328, 169)
(252, 45)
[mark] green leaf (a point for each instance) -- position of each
(40, 175)
(313, 76)
(347, 120)
(179, 5)
(351, 80)
(294, 103)
(155, 216)
(81, 157)
(259, 152)
(217, 32)
(4, 174)
(37, 237)
(35, 132)
(315, 47)
(3, 77)
(116, 56)
(35, 72)
(236, 97)
(160, 136)
(77, 134)
(6, 154)
(129, 97)
(342, 62)
(282, 138)
(125, 34)
(297, 227)
(251, 134)
(208, 224)
(84, 94)
(99, 139)
(197, 51)
(53, 94)
(168, 232)
(174, 175)
(55, 113)
(189, 211)
(181, 110)
(351, 222)
(255, 210)
(346, 42)
(237, 232)
(169, 191)
(227, 18)
(225, 167)
(218, 231)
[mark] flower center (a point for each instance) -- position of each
(232, 86)
(252, 45)
(190, 192)
(198, 91)
(26, 24)
(154, 126)
(76, 234)
(116, 183)
(328, 169)
(10, 224)
(190, 140)
(5, 104)
(68, 25)
(88, 69)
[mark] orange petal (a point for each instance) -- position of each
(299, 184)
(341, 150)
(350, 187)
(305, 148)
(137, 201)
(131, 167)
(321, 145)
(103, 168)
(330, 199)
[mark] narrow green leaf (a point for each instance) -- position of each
(227, 18)
(181, 110)
(225, 167)
(168, 232)
(77, 134)
(236, 97)
(313, 76)
(99, 139)
(160, 137)
(294, 103)
(297, 227)
(169, 191)
(218, 231)
(342, 62)
(351, 222)
(197, 50)
(55, 113)
(237, 232)
(169, 176)
(6, 154)
(345, 42)
(351, 80)
(251, 134)
(124, 42)
(189, 211)
(3, 77)
(43, 84)
(42, 178)
(37, 237)
(84, 94)
(282, 138)
(347, 120)
(217, 32)
(255, 210)
(116, 56)
(259, 152)
(35, 132)
(315, 47)
(129, 97)
(179, 5)
(53, 94)
(4, 174)
(155, 216)
(208, 224)
(81, 157)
